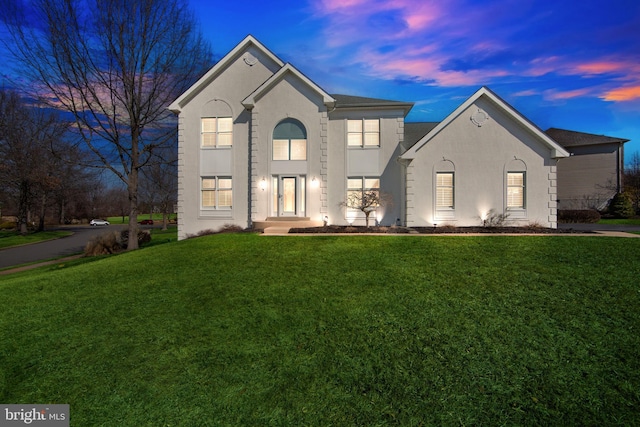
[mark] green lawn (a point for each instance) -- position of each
(11, 238)
(125, 219)
(244, 330)
(629, 221)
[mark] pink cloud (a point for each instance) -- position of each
(623, 94)
(460, 43)
(567, 94)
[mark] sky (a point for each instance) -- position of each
(561, 63)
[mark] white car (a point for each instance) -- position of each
(95, 222)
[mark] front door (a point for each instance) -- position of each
(287, 196)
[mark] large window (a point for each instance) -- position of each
(217, 192)
(444, 190)
(217, 132)
(516, 190)
(363, 133)
(290, 141)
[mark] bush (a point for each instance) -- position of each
(227, 228)
(104, 244)
(113, 242)
(621, 206)
(8, 225)
(584, 216)
(495, 219)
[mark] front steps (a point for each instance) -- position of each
(281, 225)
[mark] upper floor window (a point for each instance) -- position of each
(217, 131)
(217, 192)
(290, 141)
(444, 190)
(363, 133)
(516, 190)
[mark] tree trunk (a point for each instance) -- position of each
(133, 209)
(43, 210)
(23, 208)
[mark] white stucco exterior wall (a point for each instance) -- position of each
(222, 96)
(480, 157)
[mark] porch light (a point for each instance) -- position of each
(314, 182)
(263, 183)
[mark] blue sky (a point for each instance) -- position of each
(562, 63)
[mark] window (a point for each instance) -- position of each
(363, 133)
(290, 141)
(217, 132)
(515, 190)
(357, 190)
(217, 192)
(444, 190)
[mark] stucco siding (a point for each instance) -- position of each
(221, 97)
(289, 98)
(480, 157)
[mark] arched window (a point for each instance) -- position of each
(290, 140)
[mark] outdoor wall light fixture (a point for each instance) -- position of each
(263, 183)
(314, 182)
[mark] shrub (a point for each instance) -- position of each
(495, 219)
(584, 216)
(227, 228)
(621, 206)
(113, 242)
(8, 225)
(104, 244)
(144, 236)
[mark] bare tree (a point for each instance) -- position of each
(366, 201)
(160, 183)
(29, 166)
(115, 66)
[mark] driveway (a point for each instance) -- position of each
(58, 248)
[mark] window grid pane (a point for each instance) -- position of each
(280, 149)
(372, 139)
(298, 149)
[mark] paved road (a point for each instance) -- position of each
(53, 248)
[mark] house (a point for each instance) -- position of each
(593, 174)
(259, 142)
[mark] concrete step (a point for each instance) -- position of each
(286, 223)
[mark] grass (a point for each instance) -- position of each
(125, 219)
(391, 330)
(628, 221)
(11, 238)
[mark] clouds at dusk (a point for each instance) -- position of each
(563, 63)
(470, 43)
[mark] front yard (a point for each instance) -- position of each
(323, 330)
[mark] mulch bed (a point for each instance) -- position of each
(432, 230)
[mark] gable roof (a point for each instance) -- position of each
(349, 101)
(556, 149)
(250, 100)
(176, 106)
(570, 138)
(414, 131)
